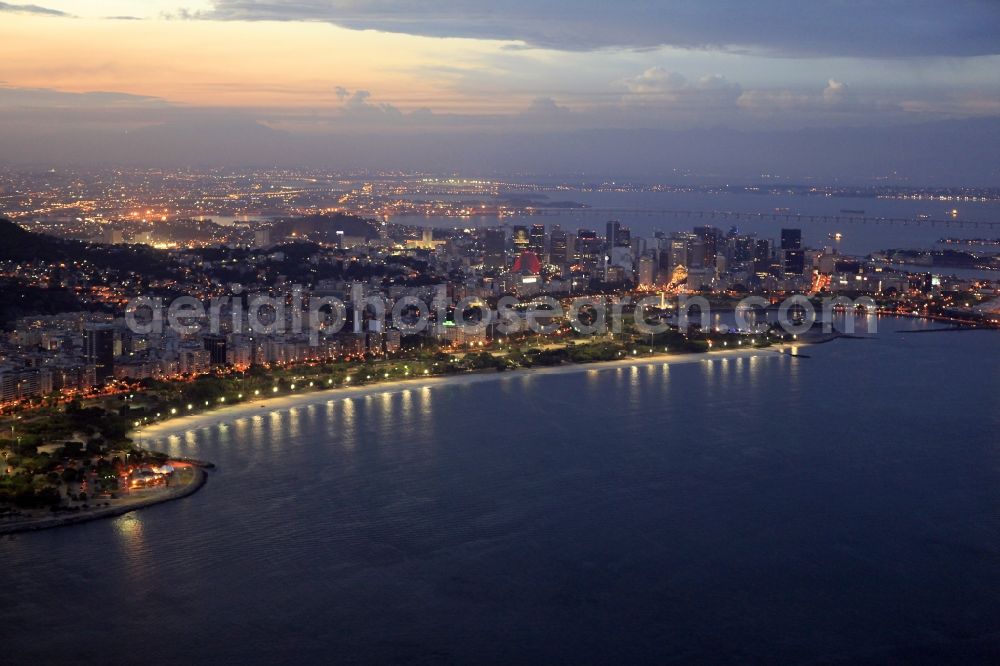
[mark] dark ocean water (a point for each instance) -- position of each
(841, 507)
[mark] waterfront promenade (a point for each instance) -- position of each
(229, 414)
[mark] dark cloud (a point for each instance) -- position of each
(878, 28)
(30, 9)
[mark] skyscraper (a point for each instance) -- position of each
(215, 345)
(521, 239)
(647, 270)
(589, 249)
(611, 235)
(624, 237)
(559, 247)
(262, 238)
(793, 258)
(99, 350)
(617, 235)
(791, 239)
(495, 256)
(537, 240)
(742, 249)
(709, 249)
(678, 252)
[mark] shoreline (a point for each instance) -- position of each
(50, 522)
(227, 415)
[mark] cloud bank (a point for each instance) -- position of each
(863, 28)
(30, 9)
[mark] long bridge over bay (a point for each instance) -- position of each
(777, 216)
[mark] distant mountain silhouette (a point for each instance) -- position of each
(19, 244)
(18, 298)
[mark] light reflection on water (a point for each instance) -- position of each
(350, 424)
(516, 516)
(129, 529)
(406, 405)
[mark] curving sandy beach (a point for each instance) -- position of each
(229, 414)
